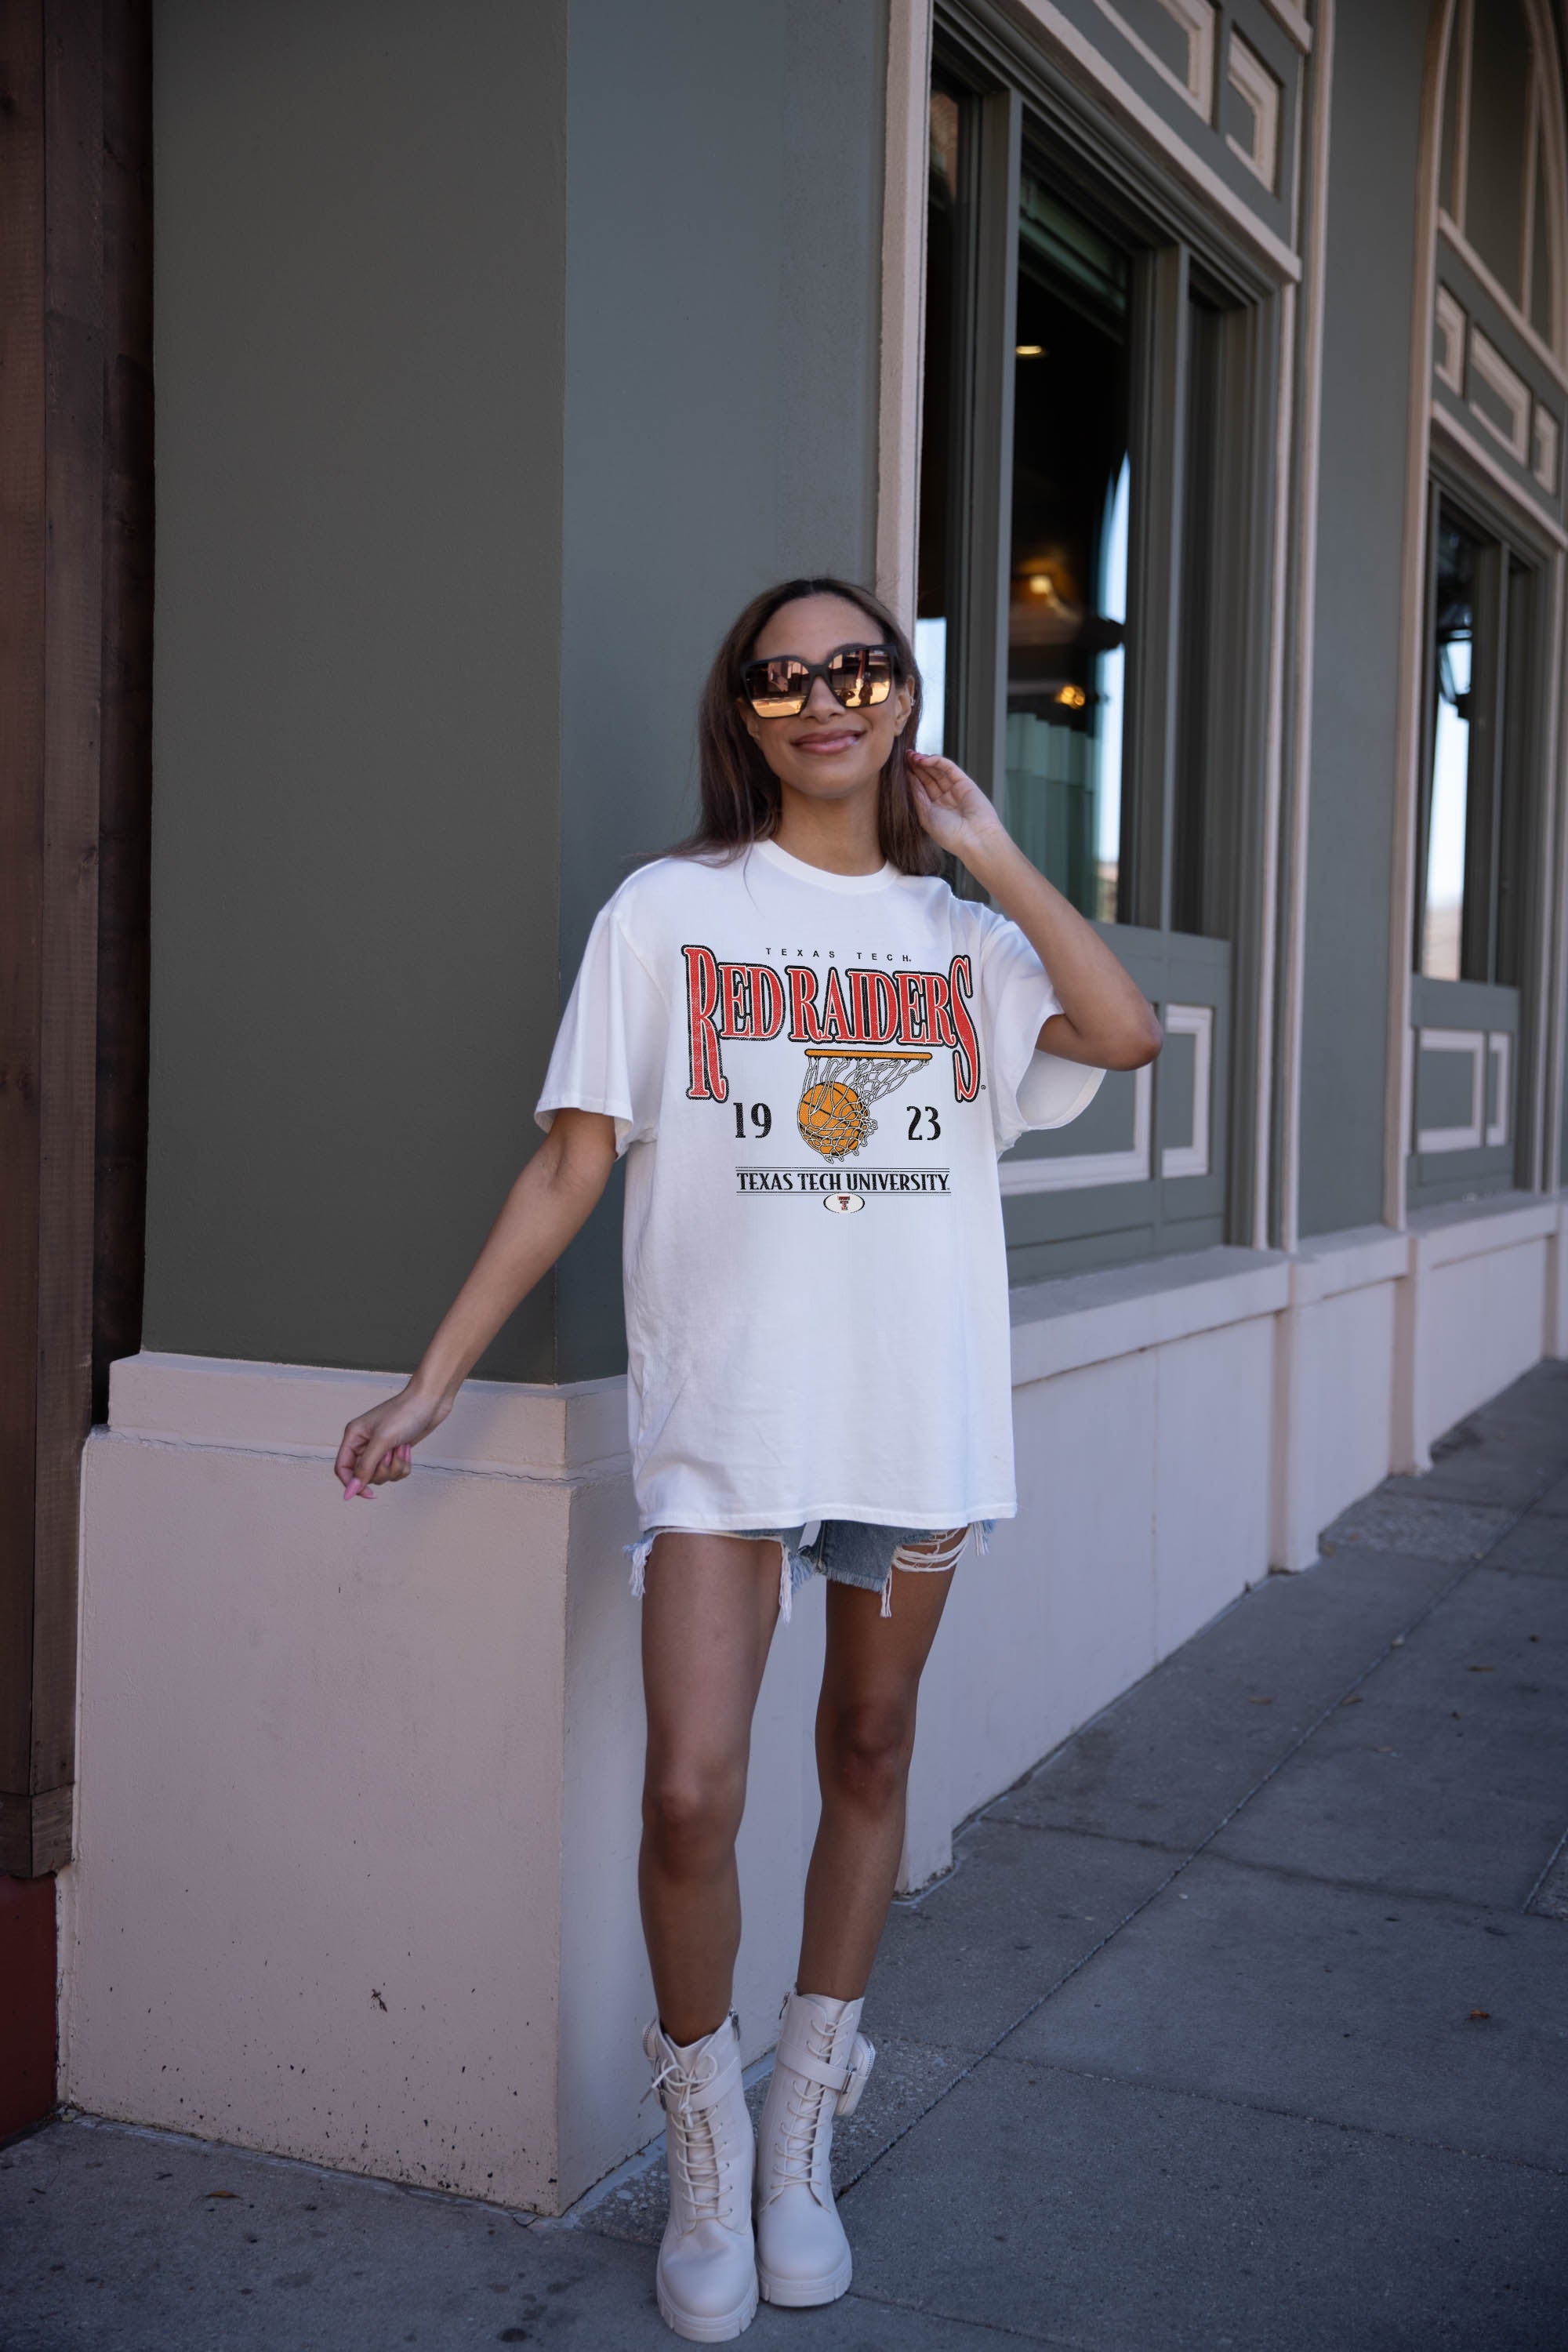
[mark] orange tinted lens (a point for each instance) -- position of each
(861, 677)
(776, 689)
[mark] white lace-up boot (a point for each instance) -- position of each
(707, 2274)
(819, 2071)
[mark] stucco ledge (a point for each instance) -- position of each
(1088, 1318)
(520, 1429)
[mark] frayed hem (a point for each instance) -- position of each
(637, 1553)
(792, 1569)
(914, 1561)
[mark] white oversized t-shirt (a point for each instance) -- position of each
(811, 1077)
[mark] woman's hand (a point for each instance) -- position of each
(549, 1203)
(378, 1446)
(954, 811)
(1106, 1020)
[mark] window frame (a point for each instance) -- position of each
(1490, 1008)
(1058, 1224)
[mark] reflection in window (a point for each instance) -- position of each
(1448, 819)
(931, 653)
(1067, 603)
(934, 586)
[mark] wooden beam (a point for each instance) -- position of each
(125, 768)
(67, 1003)
(22, 542)
(74, 303)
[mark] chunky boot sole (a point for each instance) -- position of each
(719, 2330)
(801, 2294)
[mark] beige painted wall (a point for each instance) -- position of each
(316, 1905)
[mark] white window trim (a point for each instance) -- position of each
(1196, 20)
(1260, 91)
(1457, 1041)
(1197, 1022)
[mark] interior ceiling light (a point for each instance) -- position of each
(1040, 584)
(1030, 350)
(1073, 697)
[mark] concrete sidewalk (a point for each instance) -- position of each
(1242, 2021)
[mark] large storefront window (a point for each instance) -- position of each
(941, 393)
(1477, 760)
(1092, 582)
(1480, 947)
(1448, 775)
(1480, 693)
(1066, 611)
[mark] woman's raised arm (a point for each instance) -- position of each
(549, 1203)
(1106, 1020)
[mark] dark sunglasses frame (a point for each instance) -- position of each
(752, 673)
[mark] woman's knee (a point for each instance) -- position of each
(691, 1810)
(869, 1744)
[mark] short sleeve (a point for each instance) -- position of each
(1015, 999)
(609, 1050)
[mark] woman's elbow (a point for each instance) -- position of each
(1132, 1049)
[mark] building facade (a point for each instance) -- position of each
(1194, 375)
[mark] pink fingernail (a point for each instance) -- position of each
(351, 1490)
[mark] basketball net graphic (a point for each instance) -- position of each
(832, 1113)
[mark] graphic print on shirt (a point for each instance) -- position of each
(864, 1030)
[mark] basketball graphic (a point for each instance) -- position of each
(832, 1113)
(833, 1119)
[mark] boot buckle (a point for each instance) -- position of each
(862, 2058)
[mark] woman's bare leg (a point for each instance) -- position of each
(710, 1606)
(865, 1738)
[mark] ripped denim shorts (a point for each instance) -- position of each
(846, 1551)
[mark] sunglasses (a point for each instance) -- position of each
(858, 676)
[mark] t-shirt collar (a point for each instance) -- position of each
(818, 878)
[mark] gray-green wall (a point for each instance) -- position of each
(1379, 54)
(359, 274)
(723, 325)
(502, 351)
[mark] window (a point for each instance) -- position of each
(1092, 618)
(1471, 925)
(939, 395)
(1479, 691)
(1066, 608)
(1493, 528)
(1448, 808)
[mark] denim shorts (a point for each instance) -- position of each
(845, 1551)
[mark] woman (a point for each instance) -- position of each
(811, 1052)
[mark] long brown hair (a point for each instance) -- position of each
(741, 796)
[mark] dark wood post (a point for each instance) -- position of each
(74, 593)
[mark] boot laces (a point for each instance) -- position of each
(693, 2148)
(806, 2111)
